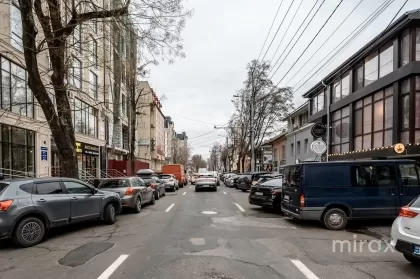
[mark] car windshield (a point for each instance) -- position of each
(206, 176)
(3, 186)
(165, 176)
(114, 183)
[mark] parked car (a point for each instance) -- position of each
(236, 179)
(244, 182)
(178, 171)
(266, 194)
(405, 233)
(256, 176)
(193, 178)
(133, 191)
(268, 176)
(228, 179)
(152, 179)
(30, 207)
(335, 192)
(170, 181)
(206, 181)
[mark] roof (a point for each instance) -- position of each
(301, 108)
(275, 138)
(381, 38)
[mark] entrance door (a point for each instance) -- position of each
(91, 164)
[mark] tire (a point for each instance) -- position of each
(215, 189)
(137, 207)
(157, 195)
(243, 190)
(196, 190)
(338, 224)
(153, 201)
(164, 192)
(32, 225)
(415, 261)
(110, 214)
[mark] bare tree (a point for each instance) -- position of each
(215, 156)
(159, 24)
(198, 162)
(181, 152)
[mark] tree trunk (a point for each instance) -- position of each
(133, 117)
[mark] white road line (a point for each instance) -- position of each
(305, 270)
(184, 193)
(170, 207)
(190, 187)
(240, 207)
(108, 272)
(224, 193)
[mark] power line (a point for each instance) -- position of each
(278, 59)
(365, 23)
(309, 22)
(310, 43)
(269, 31)
(338, 27)
(287, 30)
(207, 133)
(278, 29)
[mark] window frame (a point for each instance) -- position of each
(93, 80)
(77, 182)
(15, 38)
(85, 114)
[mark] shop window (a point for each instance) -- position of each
(386, 60)
(15, 94)
(340, 130)
(371, 68)
(405, 48)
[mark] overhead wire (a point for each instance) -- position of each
(199, 136)
(338, 27)
(278, 29)
(372, 17)
(309, 22)
(287, 30)
(269, 31)
(297, 31)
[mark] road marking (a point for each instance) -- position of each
(190, 187)
(240, 207)
(305, 270)
(170, 207)
(224, 193)
(184, 193)
(108, 272)
(209, 212)
(198, 241)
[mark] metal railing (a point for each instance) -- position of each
(10, 174)
(115, 173)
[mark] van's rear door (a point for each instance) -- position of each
(292, 189)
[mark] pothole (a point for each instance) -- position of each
(84, 253)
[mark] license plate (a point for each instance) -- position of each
(416, 250)
(286, 197)
(259, 193)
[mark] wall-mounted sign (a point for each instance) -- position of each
(79, 148)
(399, 148)
(44, 153)
(87, 149)
(318, 130)
(319, 147)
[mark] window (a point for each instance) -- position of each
(292, 151)
(275, 154)
(77, 188)
(123, 73)
(93, 80)
(359, 78)
(48, 188)
(77, 39)
(123, 104)
(341, 88)
(418, 44)
(340, 131)
(318, 102)
(409, 175)
(405, 48)
(306, 146)
(15, 94)
(323, 176)
(417, 110)
(373, 121)
(106, 129)
(76, 73)
(405, 110)
(386, 60)
(371, 176)
(371, 68)
(85, 118)
(16, 26)
(336, 91)
(298, 148)
(283, 152)
(93, 51)
(28, 188)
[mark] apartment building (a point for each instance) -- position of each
(372, 101)
(151, 128)
(169, 138)
(100, 56)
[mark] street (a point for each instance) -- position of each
(190, 234)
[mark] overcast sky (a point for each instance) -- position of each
(223, 36)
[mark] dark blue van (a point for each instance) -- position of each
(335, 192)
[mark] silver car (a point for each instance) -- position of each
(170, 181)
(405, 232)
(206, 181)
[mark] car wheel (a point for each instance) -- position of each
(29, 232)
(137, 207)
(110, 214)
(153, 201)
(215, 189)
(335, 219)
(157, 195)
(413, 260)
(243, 190)
(196, 189)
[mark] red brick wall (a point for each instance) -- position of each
(124, 166)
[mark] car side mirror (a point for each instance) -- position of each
(94, 191)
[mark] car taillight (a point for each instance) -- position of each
(275, 192)
(153, 185)
(4, 205)
(302, 200)
(129, 191)
(406, 212)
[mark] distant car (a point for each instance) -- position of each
(193, 178)
(152, 179)
(229, 179)
(216, 175)
(266, 194)
(30, 207)
(405, 233)
(170, 182)
(206, 181)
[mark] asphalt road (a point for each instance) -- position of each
(204, 235)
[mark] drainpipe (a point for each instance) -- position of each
(327, 102)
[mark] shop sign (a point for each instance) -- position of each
(319, 147)
(399, 148)
(79, 148)
(318, 130)
(44, 153)
(87, 149)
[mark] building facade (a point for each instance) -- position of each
(372, 101)
(169, 135)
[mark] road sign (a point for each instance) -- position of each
(318, 130)
(319, 147)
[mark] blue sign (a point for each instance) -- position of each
(44, 153)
